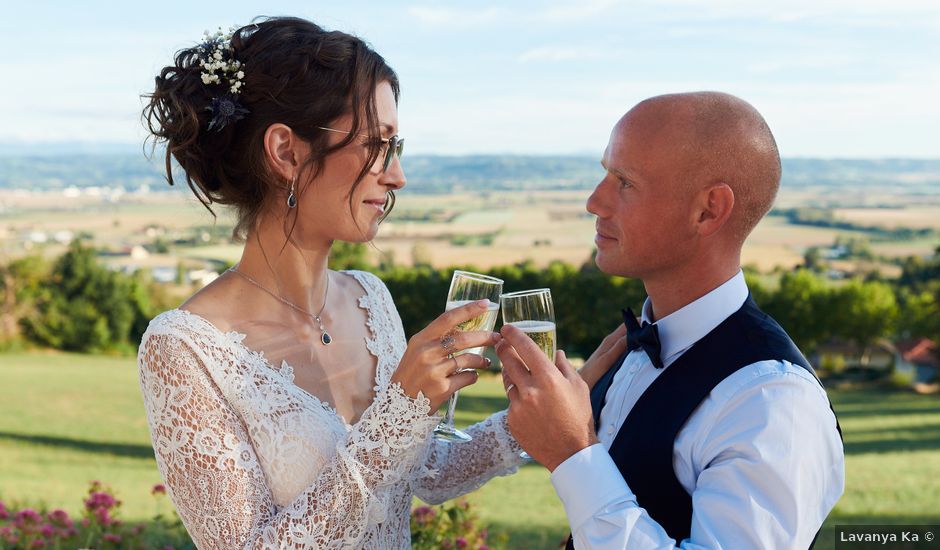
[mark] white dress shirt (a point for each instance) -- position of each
(760, 455)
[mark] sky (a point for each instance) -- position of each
(833, 78)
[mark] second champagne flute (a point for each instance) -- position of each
(532, 312)
(466, 287)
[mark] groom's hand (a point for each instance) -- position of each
(549, 405)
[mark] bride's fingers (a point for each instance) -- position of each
(474, 339)
(614, 338)
(462, 380)
(450, 319)
(465, 361)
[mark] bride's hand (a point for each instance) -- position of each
(604, 356)
(429, 365)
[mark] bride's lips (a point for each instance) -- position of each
(378, 204)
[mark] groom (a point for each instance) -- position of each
(712, 431)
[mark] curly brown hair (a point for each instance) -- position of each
(295, 73)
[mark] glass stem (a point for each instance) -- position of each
(451, 408)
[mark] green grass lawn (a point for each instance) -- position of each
(68, 419)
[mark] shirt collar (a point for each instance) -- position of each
(682, 328)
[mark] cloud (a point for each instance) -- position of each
(816, 62)
(868, 13)
(562, 53)
(579, 10)
(455, 17)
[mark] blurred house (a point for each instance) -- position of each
(917, 358)
(837, 354)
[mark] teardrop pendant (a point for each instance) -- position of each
(326, 338)
(291, 200)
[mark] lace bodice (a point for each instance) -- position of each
(254, 461)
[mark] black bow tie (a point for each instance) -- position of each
(646, 337)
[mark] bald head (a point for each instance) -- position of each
(714, 138)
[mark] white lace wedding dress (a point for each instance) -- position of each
(254, 461)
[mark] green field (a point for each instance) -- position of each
(67, 419)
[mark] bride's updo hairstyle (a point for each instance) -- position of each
(292, 72)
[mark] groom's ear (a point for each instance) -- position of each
(713, 208)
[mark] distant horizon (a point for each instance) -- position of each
(79, 148)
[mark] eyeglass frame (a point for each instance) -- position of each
(396, 145)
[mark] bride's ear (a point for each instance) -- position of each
(282, 151)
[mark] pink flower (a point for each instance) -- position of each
(158, 489)
(47, 531)
(27, 516)
(461, 542)
(424, 515)
(100, 500)
(60, 518)
(39, 543)
(103, 516)
(111, 537)
(3, 511)
(86, 522)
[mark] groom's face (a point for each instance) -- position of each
(642, 204)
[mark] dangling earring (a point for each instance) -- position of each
(291, 198)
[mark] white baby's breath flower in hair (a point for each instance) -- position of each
(218, 66)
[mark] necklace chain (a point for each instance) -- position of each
(325, 337)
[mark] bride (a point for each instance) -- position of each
(285, 407)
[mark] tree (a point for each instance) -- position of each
(21, 283)
(85, 307)
(800, 305)
(863, 312)
(345, 255)
(812, 260)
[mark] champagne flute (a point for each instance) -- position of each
(466, 287)
(532, 312)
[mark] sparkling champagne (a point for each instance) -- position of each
(485, 321)
(542, 333)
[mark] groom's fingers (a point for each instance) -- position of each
(531, 355)
(514, 371)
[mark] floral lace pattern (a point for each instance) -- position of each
(254, 461)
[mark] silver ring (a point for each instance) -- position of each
(447, 342)
(456, 364)
(509, 388)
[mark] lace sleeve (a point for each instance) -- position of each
(453, 469)
(206, 457)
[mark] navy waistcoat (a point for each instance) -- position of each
(643, 448)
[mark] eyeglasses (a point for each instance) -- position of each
(393, 146)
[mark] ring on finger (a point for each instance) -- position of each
(509, 388)
(457, 368)
(447, 342)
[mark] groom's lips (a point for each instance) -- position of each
(602, 238)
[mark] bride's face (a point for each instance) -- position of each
(325, 209)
